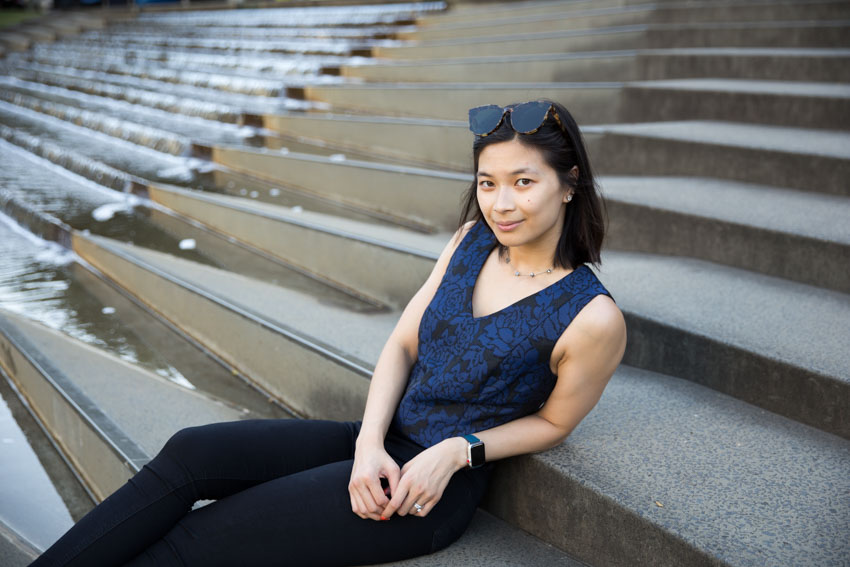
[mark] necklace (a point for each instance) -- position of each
(532, 274)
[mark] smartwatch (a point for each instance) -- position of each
(474, 451)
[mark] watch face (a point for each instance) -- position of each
(477, 454)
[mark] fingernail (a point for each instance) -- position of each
(383, 518)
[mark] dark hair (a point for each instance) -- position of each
(586, 215)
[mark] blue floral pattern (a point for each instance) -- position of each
(474, 373)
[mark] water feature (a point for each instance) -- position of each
(84, 119)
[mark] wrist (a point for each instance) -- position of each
(458, 454)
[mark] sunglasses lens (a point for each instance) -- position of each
(484, 119)
(529, 116)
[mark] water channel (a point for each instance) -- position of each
(83, 117)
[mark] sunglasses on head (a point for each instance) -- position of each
(525, 118)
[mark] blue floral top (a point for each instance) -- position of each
(474, 373)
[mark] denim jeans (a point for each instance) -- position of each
(281, 498)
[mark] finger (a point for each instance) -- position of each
(393, 476)
(358, 507)
(399, 494)
(407, 506)
(368, 507)
(377, 493)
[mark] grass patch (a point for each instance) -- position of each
(12, 16)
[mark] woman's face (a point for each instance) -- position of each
(520, 196)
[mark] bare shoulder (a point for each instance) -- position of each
(600, 319)
(598, 331)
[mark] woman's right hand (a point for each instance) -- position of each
(371, 464)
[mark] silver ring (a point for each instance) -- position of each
(418, 507)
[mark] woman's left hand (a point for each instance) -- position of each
(425, 477)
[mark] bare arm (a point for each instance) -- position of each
(371, 462)
(592, 347)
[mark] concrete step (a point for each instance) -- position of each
(441, 144)
(35, 342)
(349, 254)
(795, 235)
(774, 64)
(589, 102)
(96, 406)
(250, 325)
(703, 431)
(788, 234)
(495, 22)
(464, 14)
(714, 320)
(411, 194)
(517, 22)
(778, 103)
(779, 64)
(659, 452)
(809, 160)
(802, 33)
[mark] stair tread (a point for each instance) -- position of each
(123, 391)
(335, 328)
(425, 244)
(835, 144)
(656, 438)
(801, 325)
(812, 215)
(750, 86)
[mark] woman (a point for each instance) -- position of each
(505, 348)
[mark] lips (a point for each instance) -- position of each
(507, 226)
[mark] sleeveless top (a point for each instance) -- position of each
(474, 373)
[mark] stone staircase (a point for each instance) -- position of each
(317, 169)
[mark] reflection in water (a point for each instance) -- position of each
(29, 502)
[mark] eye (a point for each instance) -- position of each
(485, 183)
(527, 180)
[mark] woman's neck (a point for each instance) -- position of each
(530, 259)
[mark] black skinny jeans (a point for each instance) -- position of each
(281, 491)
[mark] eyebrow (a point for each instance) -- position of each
(521, 170)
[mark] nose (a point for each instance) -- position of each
(504, 200)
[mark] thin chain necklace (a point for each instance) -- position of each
(532, 274)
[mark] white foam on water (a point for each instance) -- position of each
(274, 192)
(108, 310)
(105, 212)
(187, 244)
(46, 251)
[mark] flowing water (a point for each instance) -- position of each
(81, 120)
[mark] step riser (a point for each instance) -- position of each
(827, 69)
(615, 68)
(796, 258)
(582, 522)
(590, 105)
(562, 21)
(93, 457)
(566, 44)
(556, 22)
(569, 70)
(314, 386)
(436, 146)
(421, 198)
(471, 13)
(827, 37)
(634, 155)
(786, 390)
(820, 36)
(352, 264)
(658, 105)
